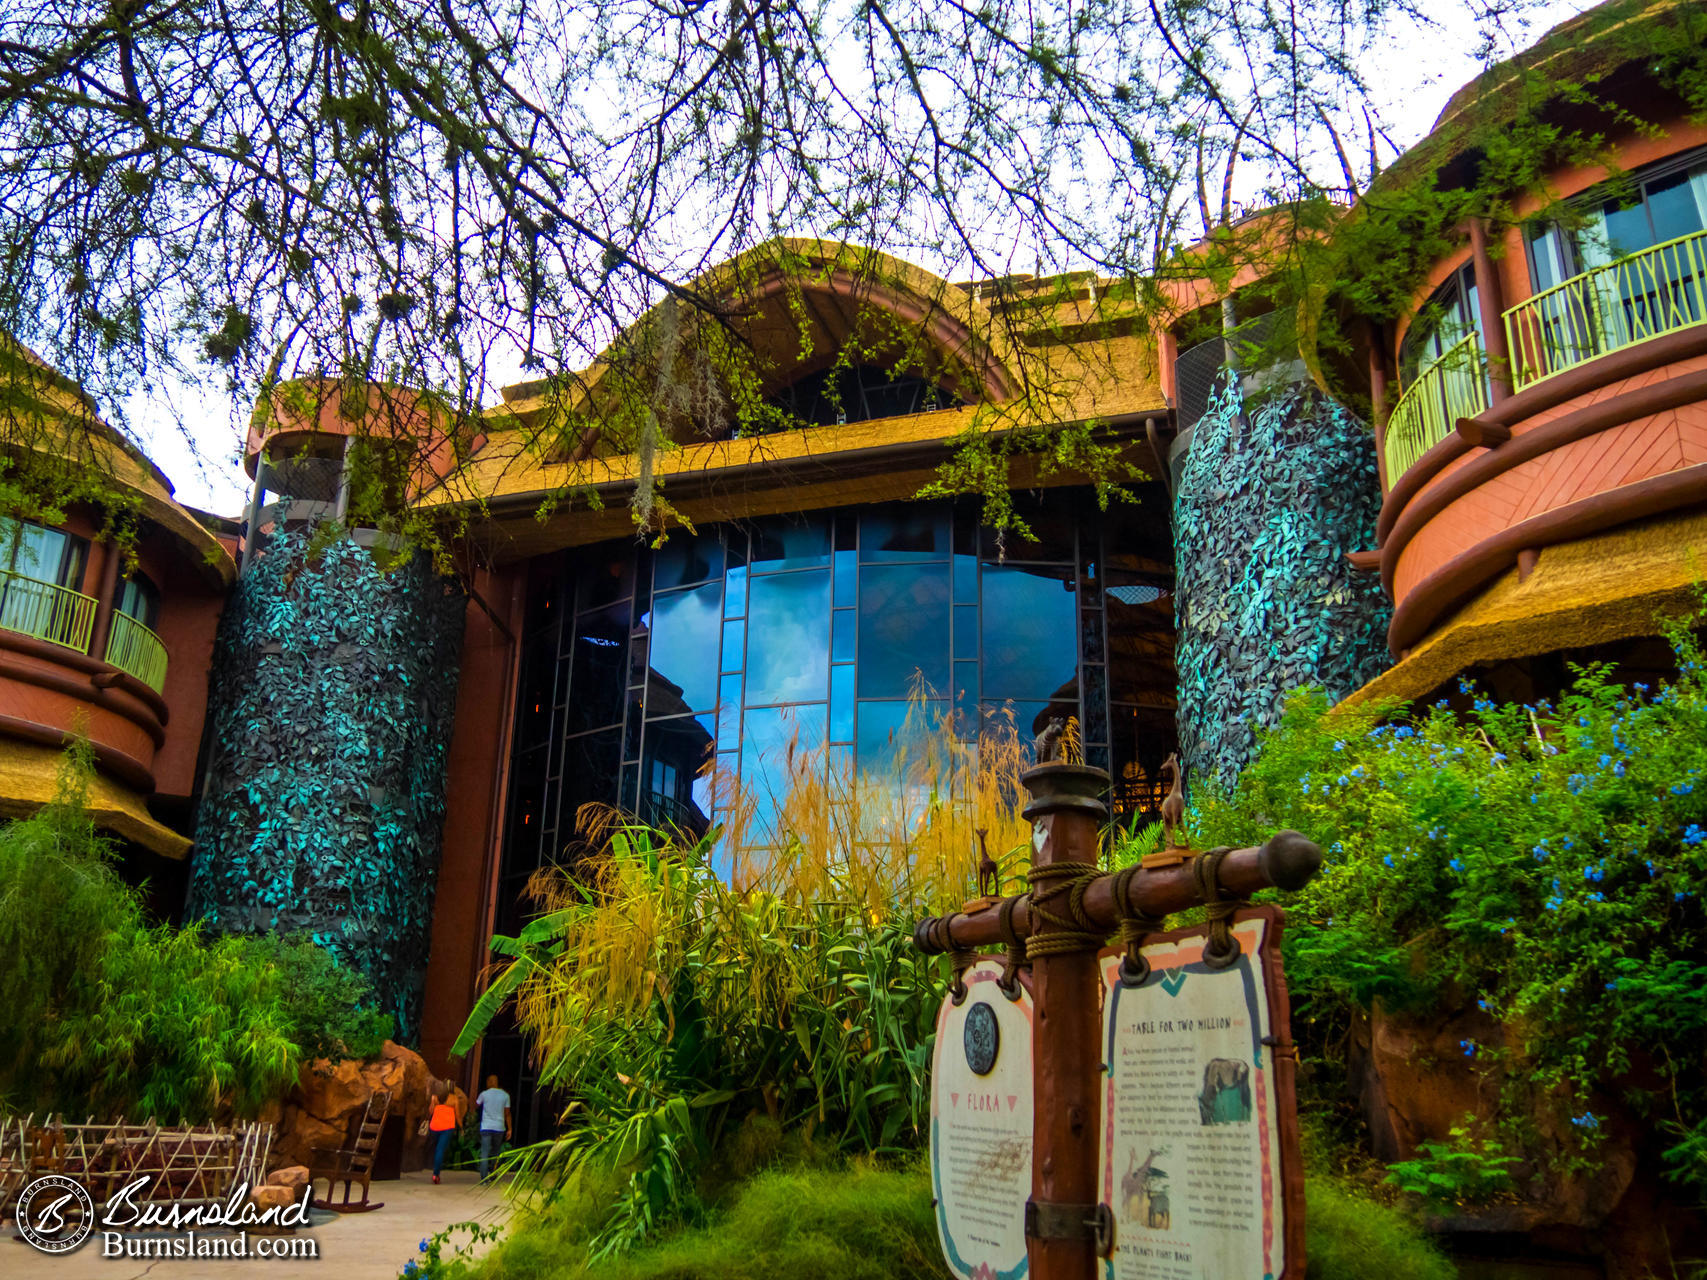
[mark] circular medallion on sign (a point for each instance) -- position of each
(982, 1037)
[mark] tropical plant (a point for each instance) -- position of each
(107, 1014)
(1463, 1170)
(1538, 866)
(328, 1007)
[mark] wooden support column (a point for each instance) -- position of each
(1490, 300)
(106, 597)
(1067, 814)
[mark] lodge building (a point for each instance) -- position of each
(295, 735)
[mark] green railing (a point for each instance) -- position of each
(58, 615)
(1653, 292)
(1451, 388)
(134, 648)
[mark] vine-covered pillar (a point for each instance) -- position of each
(1266, 601)
(333, 691)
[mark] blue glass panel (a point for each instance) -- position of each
(1029, 633)
(786, 543)
(847, 577)
(765, 754)
(788, 638)
(965, 580)
(675, 777)
(903, 629)
(1027, 719)
(842, 636)
(892, 735)
(966, 632)
(734, 641)
(735, 593)
(841, 704)
(905, 534)
(684, 626)
(966, 699)
(685, 559)
(729, 714)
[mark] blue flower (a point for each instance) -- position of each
(1498, 757)
(1613, 985)
(410, 1270)
(1343, 780)
(1469, 1047)
(1339, 746)
(1618, 770)
(1387, 858)
(1588, 1120)
(1554, 903)
(1456, 865)
(1357, 772)
(1540, 850)
(1576, 782)
(1652, 869)
(1464, 685)
(1482, 1004)
(1694, 834)
(1594, 872)
(1639, 687)
(1596, 896)
(1484, 704)
(1683, 788)
(1605, 761)
(423, 1246)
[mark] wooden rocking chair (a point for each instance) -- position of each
(353, 1162)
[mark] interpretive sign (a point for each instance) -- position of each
(981, 1126)
(1200, 1137)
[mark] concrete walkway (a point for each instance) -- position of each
(357, 1246)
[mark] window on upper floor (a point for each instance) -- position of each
(1452, 311)
(1667, 200)
(860, 393)
(47, 555)
(140, 599)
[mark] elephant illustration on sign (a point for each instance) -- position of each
(1226, 1095)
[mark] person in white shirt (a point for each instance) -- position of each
(494, 1107)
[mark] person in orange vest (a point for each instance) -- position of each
(441, 1125)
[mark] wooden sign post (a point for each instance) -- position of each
(1070, 1222)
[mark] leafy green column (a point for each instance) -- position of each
(1273, 495)
(333, 690)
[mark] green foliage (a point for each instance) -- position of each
(1349, 1237)
(1541, 867)
(332, 696)
(865, 1219)
(327, 1006)
(678, 1009)
(1461, 1171)
(106, 1014)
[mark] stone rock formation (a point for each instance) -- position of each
(330, 1096)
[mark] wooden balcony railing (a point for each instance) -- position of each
(134, 648)
(1653, 292)
(1451, 388)
(40, 609)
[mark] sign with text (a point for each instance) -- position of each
(1200, 1136)
(981, 1117)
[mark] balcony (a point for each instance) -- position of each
(44, 611)
(66, 618)
(1646, 295)
(1451, 388)
(133, 648)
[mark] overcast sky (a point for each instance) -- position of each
(1413, 77)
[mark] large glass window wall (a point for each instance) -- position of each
(647, 676)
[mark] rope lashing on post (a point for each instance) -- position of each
(1015, 945)
(1053, 886)
(962, 960)
(1220, 951)
(1135, 925)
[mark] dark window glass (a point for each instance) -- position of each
(138, 598)
(859, 393)
(538, 689)
(605, 576)
(1029, 633)
(47, 555)
(965, 580)
(1671, 205)
(1095, 727)
(966, 632)
(600, 671)
(904, 534)
(684, 627)
(1052, 530)
(903, 629)
(684, 560)
(589, 774)
(788, 638)
(527, 792)
(791, 544)
(676, 775)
